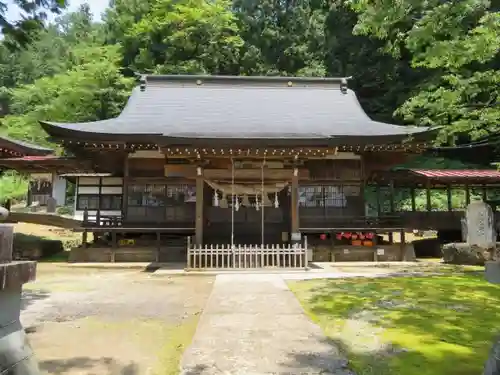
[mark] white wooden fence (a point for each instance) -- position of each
(246, 256)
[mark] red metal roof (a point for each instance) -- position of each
(457, 173)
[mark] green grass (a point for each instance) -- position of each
(436, 325)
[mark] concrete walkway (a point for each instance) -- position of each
(253, 324)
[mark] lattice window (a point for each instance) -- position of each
(87, 201)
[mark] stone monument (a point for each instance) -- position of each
(480, 225)
(51, 205)
(16, 356)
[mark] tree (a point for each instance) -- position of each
(458, 43)
(119, 18)
(20, 33)
(187, 36)
(49, 53)
(282, 37)
(92, 90)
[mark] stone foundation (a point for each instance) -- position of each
(107, 254)
(361, 253)
(465, 254)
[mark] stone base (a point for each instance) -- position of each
(465, 254)
(361, 253)
(492, 272)
(16, 355)
(107, 254)
(15, 274)
(492, 366)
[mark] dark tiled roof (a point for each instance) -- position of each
(23, 147)
(240, 107)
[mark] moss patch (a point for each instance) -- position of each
(413, 326)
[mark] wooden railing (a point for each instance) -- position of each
(98, 220)
(246, 257)
(352, 222)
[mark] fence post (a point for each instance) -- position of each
(306, 254)
(188, 253)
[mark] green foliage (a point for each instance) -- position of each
(458, 43)
(19, 33)
(282, 38)
(12, 186)
(189, 36)
(93, 89)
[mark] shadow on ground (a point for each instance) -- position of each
(31, 296)
(196, 370)
(87, 365)
(373, 362)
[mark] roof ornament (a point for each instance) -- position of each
(343, 85)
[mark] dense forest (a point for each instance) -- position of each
(424, 63)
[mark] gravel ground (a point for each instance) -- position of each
(106, 322)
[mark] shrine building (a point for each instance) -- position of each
(212, 162)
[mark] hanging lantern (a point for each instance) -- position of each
(276, 201)
(236, 203)
(246, 202)
(256, 202)
(216, 199)
(322, 237)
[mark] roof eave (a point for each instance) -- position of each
(26, 148)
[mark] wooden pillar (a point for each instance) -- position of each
(485, 193)
(85, 223)
(295, 201)
(158, 246)
(467, 195)
(84, 238)
(377, 193)
(428, 196)
(391, 198)
(448, 194)
(200, 183)
(114, 246)
(413, 203)
(392, 209)
(125, 186)
(403, 244)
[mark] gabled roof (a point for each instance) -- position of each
(18, 147)
(215, 107)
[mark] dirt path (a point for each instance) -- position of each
(107, 322)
